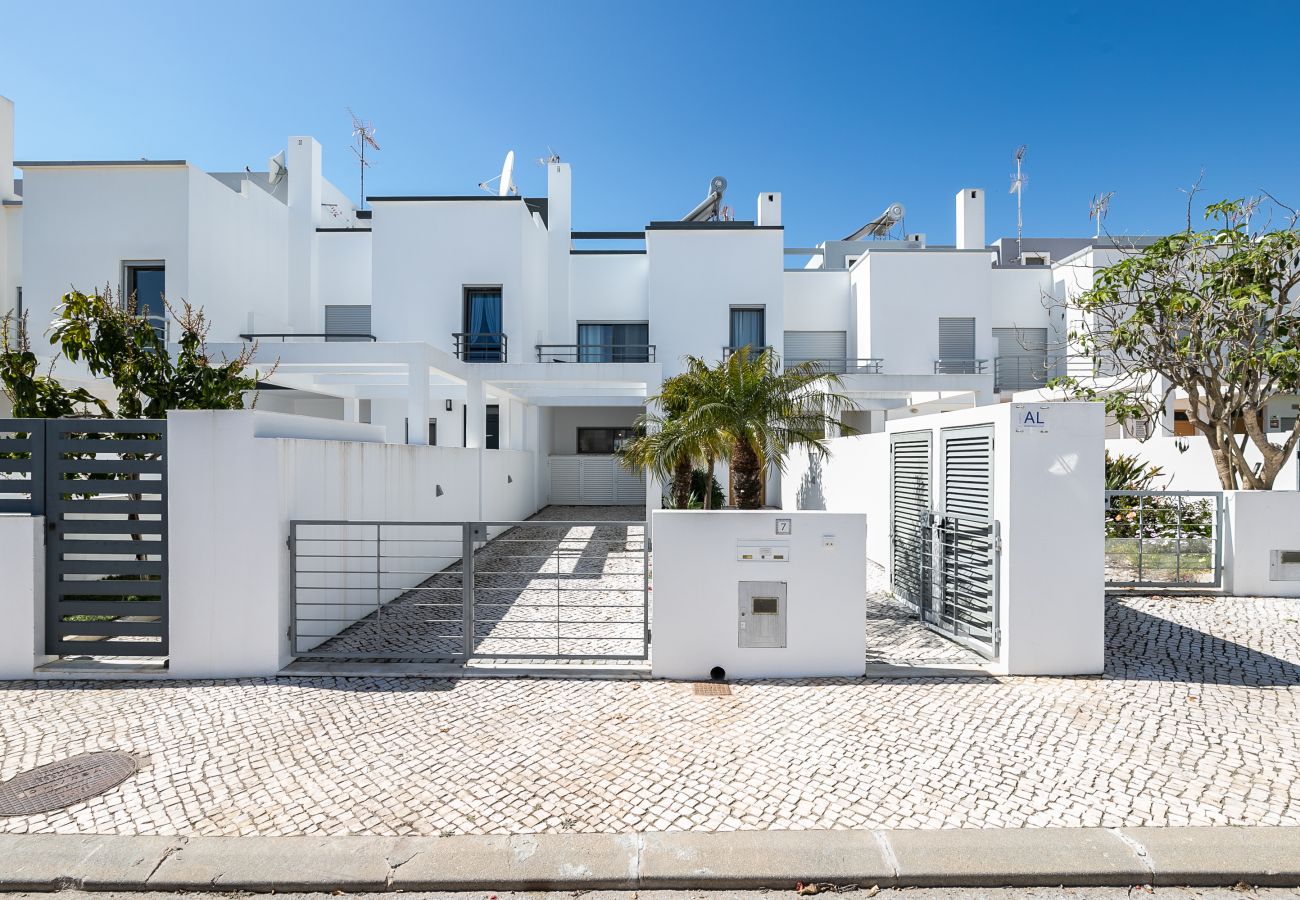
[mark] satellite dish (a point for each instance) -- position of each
(275, 169)
(506, 187)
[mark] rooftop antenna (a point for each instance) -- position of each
(1098, 208)
(550, 157)
(1018, 182)
(364, 135)
(505, 185)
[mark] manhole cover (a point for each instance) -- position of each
(712, 689)
(63, 783)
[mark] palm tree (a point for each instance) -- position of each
(760, 411)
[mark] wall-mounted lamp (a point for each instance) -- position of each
(448, 406)
(437, 490)
(510, 479)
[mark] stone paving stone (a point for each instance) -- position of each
(1195, 722)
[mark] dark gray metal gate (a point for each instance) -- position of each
(909, 495)
(105, 503)
(540, 589)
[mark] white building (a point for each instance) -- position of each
(489, 321)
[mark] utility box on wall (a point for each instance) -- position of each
(763, 594)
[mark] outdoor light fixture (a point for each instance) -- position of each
(448, 406)
(437, 490)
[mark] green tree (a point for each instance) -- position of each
(34, 395)
(1214, 313)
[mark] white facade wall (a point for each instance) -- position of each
(816, 300)
(698, 274)
(608, 288)
(902, 294)
(696, 594)
(850, 480)
(427, 251)
(80, 223)
(344, 264)
(567, 420)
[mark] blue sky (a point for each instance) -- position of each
(843, 107)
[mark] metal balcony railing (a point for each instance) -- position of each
(838, 366)
(480, 346)
(960, 366)
(596, 353)
(286, 336)
(1022, 373)
(727, 351)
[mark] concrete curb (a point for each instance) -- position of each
(1082, 857)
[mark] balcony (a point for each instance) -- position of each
(287, 336)
(837, 366)
(961, 366)
(596, 353)
(754, 351)
(480, 346)
(1022, 373)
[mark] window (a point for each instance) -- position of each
(603, 440)
(433, 432)
(144, 286)
(483, 325)
(850, 260)
(613, 342)
(492, 428)
(956, 346)
(748, 327)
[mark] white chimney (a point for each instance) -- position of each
(769, 209)
(970, 219)
(6, 149)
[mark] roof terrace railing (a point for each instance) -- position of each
(842, 366)
(596, 353)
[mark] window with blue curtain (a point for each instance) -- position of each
(483, 325)
(748, 328)
(614, 342)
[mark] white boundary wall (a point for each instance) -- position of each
(1192, 470)
(22, 595)
(696, 593)
(1049, 495)
(233, 493)
(1256, 524)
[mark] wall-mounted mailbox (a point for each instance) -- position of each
(761, 614)
(1284, 565)
(773, 551)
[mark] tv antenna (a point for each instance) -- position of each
(1018, 182)
(363, 133)
(505, 185)
(1098, 208)
(550, 157)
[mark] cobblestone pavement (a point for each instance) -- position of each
(895, 636)
(1196, 722)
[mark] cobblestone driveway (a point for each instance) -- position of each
(1195, 722)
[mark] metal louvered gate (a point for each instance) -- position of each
(105, 503)
(909, 507)
(959, 576)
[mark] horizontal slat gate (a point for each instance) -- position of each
(106, 546)
(594, 480)
(342, 321)
(909, 506)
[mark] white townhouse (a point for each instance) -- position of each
(489, 321)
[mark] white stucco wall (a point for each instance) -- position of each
(608, 288)
(426, 252)
(696, 594)
(698, 274)
(902, 294)
(1192, 469)
(233, 495)
(1258, 523)
(853, 479)
(22, 595)
(816, 300)
(343, 258)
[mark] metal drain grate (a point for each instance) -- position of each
(712, 689)
(63, 783)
